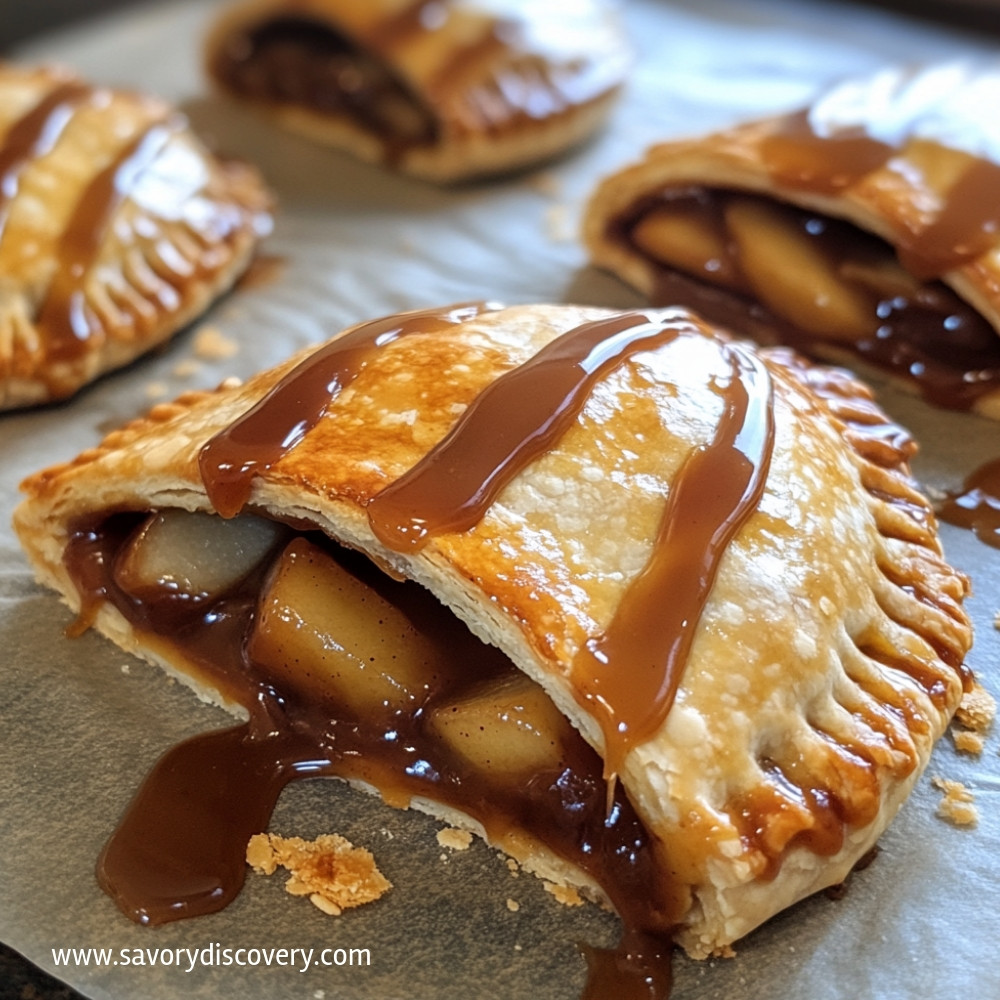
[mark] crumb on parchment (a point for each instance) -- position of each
(455, 840)
(211, 345)
(331, 871)
(973, 720)
(565, 894)
(957, 805)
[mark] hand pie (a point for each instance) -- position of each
(444, 91)
(709, 636)
(116, 228)
(864, 225)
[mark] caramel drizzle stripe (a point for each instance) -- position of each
(63, 316)
(629, 675)
(33, 136)
(965, 226)
(513, 421)
(269, 430)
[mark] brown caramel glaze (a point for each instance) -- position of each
(798, 156)
(515, 420)
(629, 675)
(639, 969)
(931, 338)
(63, 319)
(305, 62)
(270, 429)
(179, 849)
(976, 505)
(964, 225)
(34, 135)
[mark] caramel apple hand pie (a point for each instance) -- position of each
(116, 229)
(865, 225)
(445, 91)
(658, 613)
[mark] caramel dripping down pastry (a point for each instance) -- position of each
(865, 226)
(116, 229)
(558, 477)
(444, 90)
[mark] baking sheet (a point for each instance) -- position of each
(81, 723)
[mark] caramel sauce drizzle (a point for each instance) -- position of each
(34, 136)
(717, 489)
(515, 420)
(270, 429)
(965, 225)
(977, 505)
(63, 316)
(799, 156)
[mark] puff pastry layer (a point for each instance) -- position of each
(864, 225)
(443, 90)
(116, 228)
(818, 665)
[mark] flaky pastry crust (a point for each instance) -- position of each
(502, 83)
(826, 662)
(117, 227)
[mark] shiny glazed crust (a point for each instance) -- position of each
(509, 82)
(181, 236)
(935, 119)
(827, 656)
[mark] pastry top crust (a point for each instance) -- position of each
(505, 83)
(117, 227)
(937, 182)
(827, 658)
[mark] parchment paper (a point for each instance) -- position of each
(80, 723)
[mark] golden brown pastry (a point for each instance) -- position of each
(444, 90)
(116, 228)
(700, 593)
(864, 225)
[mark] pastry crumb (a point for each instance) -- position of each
(967, 741)
(455, 840)
(156, 390)
(513, 905)
(565, 894)
(559, 224)
(977, 710)
(211, 345)
(186, 368)
(957, 805)
(330, 870)
(513, 867)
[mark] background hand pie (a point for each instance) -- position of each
(679, 632)
(865, 225)
(117, 227)
(445, 91)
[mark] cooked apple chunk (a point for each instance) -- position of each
(507, 727)
(194, 554)
(683, 236)
(791, 276)
(324, 632)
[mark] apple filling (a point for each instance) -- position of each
(795, 276)
(345, 671)
(300, 62)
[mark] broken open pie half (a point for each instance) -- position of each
(117, 227)
(865, 225)
(445, 90)
(658, 613)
